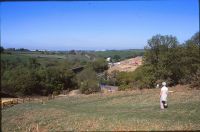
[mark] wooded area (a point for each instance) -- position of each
(165, 59)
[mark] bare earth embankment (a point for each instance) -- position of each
(128, 110)
(127, 65)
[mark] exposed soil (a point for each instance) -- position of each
(126, 65)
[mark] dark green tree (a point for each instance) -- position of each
(1, 49)
(116, 58)
(99, 65)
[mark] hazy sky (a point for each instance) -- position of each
(95, 24)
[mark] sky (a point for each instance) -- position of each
(95, 25)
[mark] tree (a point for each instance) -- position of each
(20, 81)
(162, 54)
(158, 45)
(100, 65)
(73, 52)
(191, 57)
(116, 58)
(87, 80)
(22, 49)
(1, 49)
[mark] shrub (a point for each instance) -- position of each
(99, 65)
(196, 80)
(142, 77)
(89, 86)
(87, 81)
(125, 87)
(56, 93)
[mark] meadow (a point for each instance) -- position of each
(123, 110)
(77, 56)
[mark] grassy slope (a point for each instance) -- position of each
(131, 110)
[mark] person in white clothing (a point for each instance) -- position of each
(163, 96)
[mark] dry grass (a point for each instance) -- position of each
(128, 110)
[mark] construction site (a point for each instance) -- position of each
(127, 65)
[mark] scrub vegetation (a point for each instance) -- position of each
(165, 60)
(24, 72)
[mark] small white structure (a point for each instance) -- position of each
(108, 59)
(117, 63)
(110, 65)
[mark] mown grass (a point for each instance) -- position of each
(130, 110)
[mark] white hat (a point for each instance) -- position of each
(164, 83)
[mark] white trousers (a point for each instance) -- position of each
(161, 104)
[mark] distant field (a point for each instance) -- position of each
(80, 56)
(122, 53)
(24, 56)
(42, 58)
(19, 58)
(14, 58)
(128, 110)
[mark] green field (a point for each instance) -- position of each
(128, 110)
(124, 54)
(24, 57)
(17, 58)
(80, 56)
(14, 58)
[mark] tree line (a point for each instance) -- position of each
(165, 59)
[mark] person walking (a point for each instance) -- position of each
(163, 96)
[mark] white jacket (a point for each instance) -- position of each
(164, 93)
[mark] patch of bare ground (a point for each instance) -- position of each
(127, 65)
(74, 92)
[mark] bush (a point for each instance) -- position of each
(56, 93)
(196, 80)
(20, 82)
(125, 87)
(99, 65)
(89, 86)
(87, 81)
(34, 79)
(166, 60)
(1, 49)
(142, 77)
